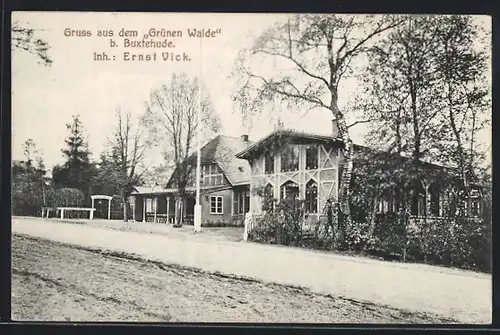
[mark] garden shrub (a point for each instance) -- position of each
(457, 241)
(67, 197)
(221, 224)
(389, 234)
(463, 243)
(281, 224)
(357, 236)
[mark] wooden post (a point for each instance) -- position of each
(109, 208)
(62, 213)
(43, 211)
(92, 214)
(244, 201)
(427, 201)
(232, 203)
(143, 209)
(132, 207)
(176, 210)
(440, 202)
(156, 205)
(92, 202)
(168, 209)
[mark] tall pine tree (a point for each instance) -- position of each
(77, 171)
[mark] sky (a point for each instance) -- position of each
(44, 98)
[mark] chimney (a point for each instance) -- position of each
(244, 138)
(335, 128)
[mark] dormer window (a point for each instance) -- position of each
(212, 175)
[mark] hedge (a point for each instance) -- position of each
(461, 242)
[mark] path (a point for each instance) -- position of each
(456, 294)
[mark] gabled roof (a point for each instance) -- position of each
(358, 149)
(255, 147)
(142, 190)
(236, 170)
(147, 190)
(222, 150)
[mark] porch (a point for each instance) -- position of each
(431, 205)
(160, 208)
(221, 206)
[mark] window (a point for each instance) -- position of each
(434, 203)
(289, 191)
(211, 175)
(383, 206)
(311, 157)
(242, 202)
(216, 205)
(475, 203)
(290, 159)
(475, 209)
(386, 202)
(150, 205)
(311, 197)
(269, 163)
(418, 205)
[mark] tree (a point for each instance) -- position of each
(29, 148)
(319, 51)
(400, 88)
(425, 97)
(24, 39)
(104, 181)
(424, 92)
(122, 167)
(460, 69)
(172, 118)
(401, 98)
(77, 171)
(28, 182)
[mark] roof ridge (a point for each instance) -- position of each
(236, 138)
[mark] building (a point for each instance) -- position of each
(224, 195)
(288, 164)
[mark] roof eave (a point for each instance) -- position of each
(246, 154)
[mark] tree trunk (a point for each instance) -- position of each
(371, 229)
(404, 212)
(345, 180)
(403, 217)
(125, 206)
(178, 211)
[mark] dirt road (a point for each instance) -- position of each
(56, 282)
(464, 296)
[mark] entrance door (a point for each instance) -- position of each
(247, 202)
(101, 209)
(189, 214)
(190, 202)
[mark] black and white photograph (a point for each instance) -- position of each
(251, 168)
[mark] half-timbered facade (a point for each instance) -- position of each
(288, 164)
(291, 165)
